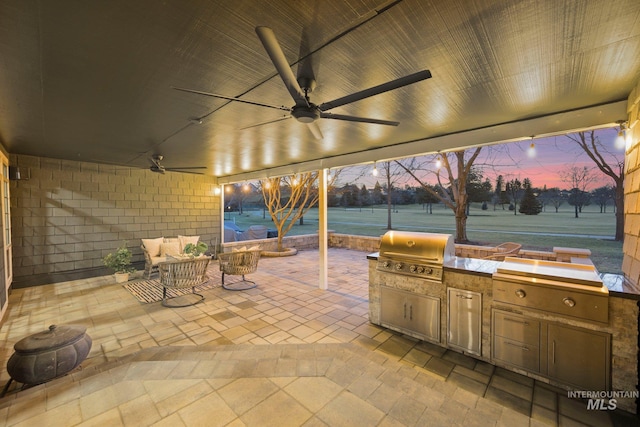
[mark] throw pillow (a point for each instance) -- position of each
(241, 249)
(184, 240)
(170, 249)
(153, 245)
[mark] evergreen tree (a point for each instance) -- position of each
(365, 199)
(529, 205)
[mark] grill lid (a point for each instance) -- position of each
(423, 247)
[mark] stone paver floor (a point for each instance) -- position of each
(283, 354)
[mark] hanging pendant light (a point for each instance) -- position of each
(531, 151)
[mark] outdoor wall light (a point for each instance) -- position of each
(438, 162)
(374, 171)
(216, 191)
(621, 141)
(295, 180)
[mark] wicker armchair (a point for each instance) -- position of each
(504, 250)
(239, 263)
(181, 274)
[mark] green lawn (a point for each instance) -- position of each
(592, 230)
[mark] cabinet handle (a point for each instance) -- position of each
(411, 312)
(404, 314)
(522, 322)
(522, 347)
(553, 352)
(463, 296)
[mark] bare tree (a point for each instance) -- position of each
(390, 174)
(613, 168)
(579, 178)
(514, 188)
(456, 196)
(286, 211)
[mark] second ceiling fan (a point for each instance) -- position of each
(304, 110)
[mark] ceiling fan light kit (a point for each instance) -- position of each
(299, 88)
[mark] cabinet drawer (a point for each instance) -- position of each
(515, 353)
(517, 328)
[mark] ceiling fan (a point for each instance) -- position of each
(304, 110)
(159, 168)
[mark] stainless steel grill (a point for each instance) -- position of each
(415, 254)
(573, 290)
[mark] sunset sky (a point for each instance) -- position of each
(552, 156)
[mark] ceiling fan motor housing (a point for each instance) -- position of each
(305, 114)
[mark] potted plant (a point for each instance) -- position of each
(195, 250)
(120, 262)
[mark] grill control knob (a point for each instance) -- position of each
(386, 264)
(420, 269)
(520, 293)
(428, 270)
(413, 268)
(568, 302)
(398, 266)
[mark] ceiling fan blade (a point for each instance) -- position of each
(230, 98)
(266, 122)
(376, 90)
(315, 130)
(188, 167)
(271, 45)
(358, 119)
(306, 72)
(182, 171)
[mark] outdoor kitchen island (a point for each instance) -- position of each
(468, 308)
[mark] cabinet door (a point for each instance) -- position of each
(393, 308)
(464, 326)
(424, 313)
(414, 314)
(579, 357)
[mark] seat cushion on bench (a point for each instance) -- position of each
(155, 260)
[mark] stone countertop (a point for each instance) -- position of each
(615, 283)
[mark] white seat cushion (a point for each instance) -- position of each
(155, 260)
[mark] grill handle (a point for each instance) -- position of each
(410, 257)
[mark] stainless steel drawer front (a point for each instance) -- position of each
(517, 328)
(517, 353)
(560, 300)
